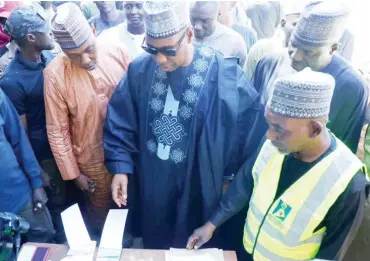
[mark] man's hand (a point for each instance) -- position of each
(84, 183)
(119, 189)
(39, 199)
(201, 236)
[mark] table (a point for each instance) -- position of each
(58, 252)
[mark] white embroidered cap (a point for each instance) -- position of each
(166, 18)
(321, 23)
(305, 95)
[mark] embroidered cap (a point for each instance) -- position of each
(70, 26)
(305, 95)
(166, 18)
(321, 23)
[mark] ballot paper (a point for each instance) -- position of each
(26, 253)
(80, 245)
(79, 258)
(114, 227)
(112, 236)
(194, 255)
(74, 227)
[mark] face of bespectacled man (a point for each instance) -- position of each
(171, 52)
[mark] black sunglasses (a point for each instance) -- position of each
(167, 51)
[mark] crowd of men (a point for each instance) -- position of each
(212, 124)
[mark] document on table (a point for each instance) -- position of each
(80, 245)
(74, 227)
(114, 227)
(194, 255)
(112, 236)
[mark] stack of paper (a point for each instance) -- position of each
(80, 245)
(194, 255)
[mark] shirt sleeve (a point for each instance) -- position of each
(57, 123)
(18, 140)
(340, 219)
(121, 129)
(350, 118)
(239, 193)
(252, 124)
(15, 93)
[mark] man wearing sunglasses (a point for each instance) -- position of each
(177, 126)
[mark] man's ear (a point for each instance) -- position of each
(93, 28)
(335, 47)
(190, 34)
(31, 38)
(315, 128)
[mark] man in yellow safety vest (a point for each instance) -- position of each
(306, 190)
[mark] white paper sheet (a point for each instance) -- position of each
(114, 227)
(79, 258)
(194, 255)
(109, 254)
(84, 250)
(26, 253)
(200, 257)
(75, 229)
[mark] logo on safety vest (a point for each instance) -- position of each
(281, 211)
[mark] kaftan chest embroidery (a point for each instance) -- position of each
(169, 120)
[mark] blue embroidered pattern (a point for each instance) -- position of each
(177, 155)
(168, 129)
(152, 146)
(186, 112)
(156, 104)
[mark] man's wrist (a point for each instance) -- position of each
(36, 182)
(218, 218)
(210, 226)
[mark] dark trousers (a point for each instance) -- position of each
(57, 202)
(41, 225)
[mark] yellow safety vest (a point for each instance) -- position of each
(284, 229)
